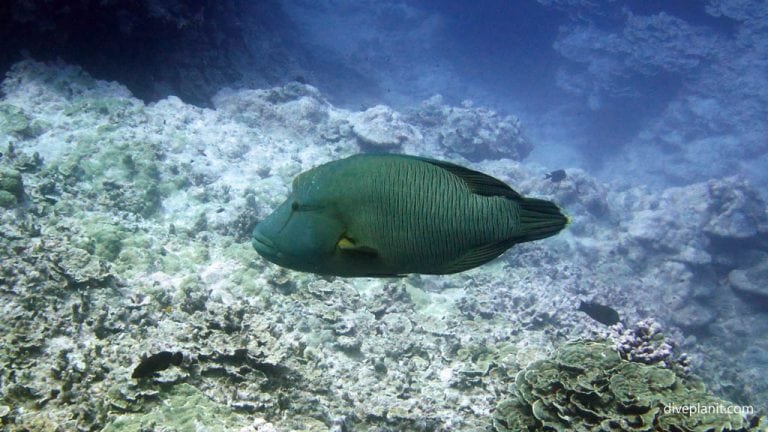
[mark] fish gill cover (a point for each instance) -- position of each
(125, 223)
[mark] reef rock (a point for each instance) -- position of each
(381, 127)
(752, 281)
(682, 221)
(14, 122)
(735, 209)
(475, 133)
(11, 187)
(295, 106)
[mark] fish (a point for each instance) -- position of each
(600, 313)
(149, 366)
(556, 176)
(389, 215)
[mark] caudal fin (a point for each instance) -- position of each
(539, 219)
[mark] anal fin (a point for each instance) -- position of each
(478, 256)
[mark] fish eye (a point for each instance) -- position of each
(298, 207)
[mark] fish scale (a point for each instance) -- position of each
(429, 226)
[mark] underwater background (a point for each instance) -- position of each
(142, 141)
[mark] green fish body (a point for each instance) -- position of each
(387, 215)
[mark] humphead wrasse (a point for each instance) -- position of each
(388, 215)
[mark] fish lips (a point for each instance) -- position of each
(264, 246)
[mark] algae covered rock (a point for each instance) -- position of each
(10, 181)
(182, 408)
(11, 187)
(76, 268)
(14, 121)
(7, 199)
(586, 386)
(297, 107)
(104, 239)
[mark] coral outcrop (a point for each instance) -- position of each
(682, 222)
(473, 132)
(586, 386)
(644, 343)
(751, 281)
(11, 187)
(382, 128)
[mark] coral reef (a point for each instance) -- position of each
(709, 129)
(683, 222)
(128, 235)
(381, 127)
(473, 132)
(645, 343)
(586, 386)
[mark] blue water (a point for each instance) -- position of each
(588, 79)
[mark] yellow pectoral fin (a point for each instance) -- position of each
(346, 245)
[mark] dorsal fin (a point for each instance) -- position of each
(479, 183)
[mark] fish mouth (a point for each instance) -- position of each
(263, 244)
